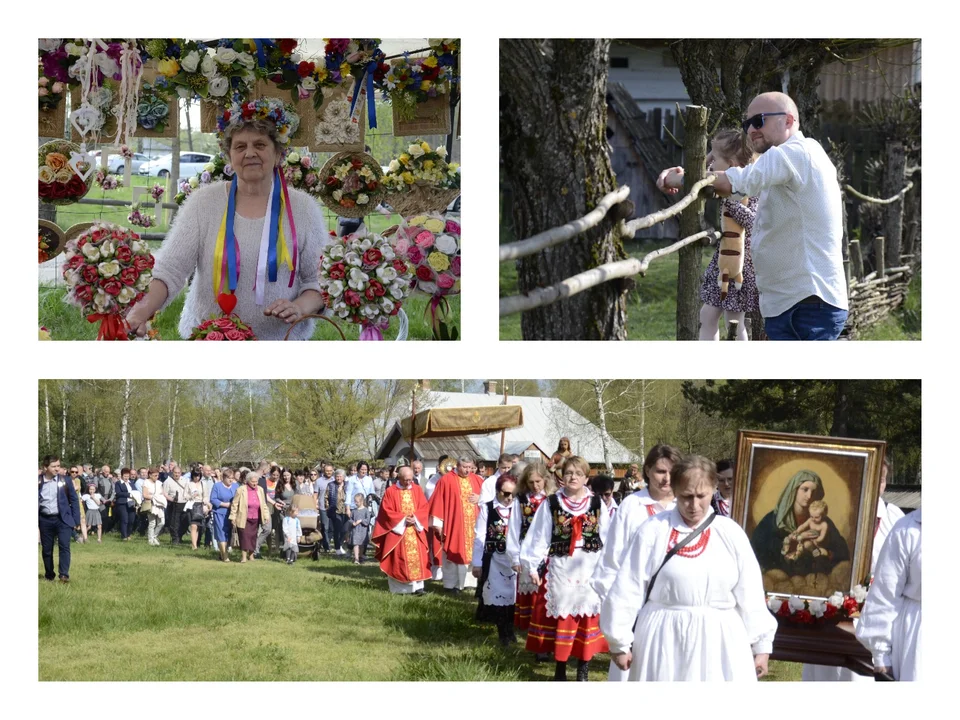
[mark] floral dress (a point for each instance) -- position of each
(747, 298)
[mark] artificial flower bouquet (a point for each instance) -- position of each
(217, 169)
(834, 609)
(224, 327)
(108, 270)
(350, 184)
(300, 173)
(362, 280)
(415, 80)
(431, 244)
(59, 182)
(210, 71)
(421, 180)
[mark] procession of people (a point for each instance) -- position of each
(664, 581)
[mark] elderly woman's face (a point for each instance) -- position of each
(693, 498)
(252, 155)
(252, 479)
(805, 493)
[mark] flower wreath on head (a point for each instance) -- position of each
(274, 249)
(266, 108)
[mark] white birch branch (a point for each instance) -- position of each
(630, 228)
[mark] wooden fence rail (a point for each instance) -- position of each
(603, 273)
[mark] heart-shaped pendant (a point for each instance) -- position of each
(79, 160)
(86, 119)
(227, 302)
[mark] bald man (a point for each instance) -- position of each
(796, 240)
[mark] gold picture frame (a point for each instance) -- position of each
(807, 548)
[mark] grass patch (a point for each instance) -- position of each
(66, 322)
(905, 323)
(199, 619)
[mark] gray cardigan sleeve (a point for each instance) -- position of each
(180, 252)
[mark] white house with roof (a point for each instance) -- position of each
(545, 421)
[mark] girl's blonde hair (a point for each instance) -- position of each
(735, 146)
(362, 499)
(290, 509)
(524, 485)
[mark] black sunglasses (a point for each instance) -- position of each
(757, 120)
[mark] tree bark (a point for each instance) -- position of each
(63, 429)
(691, 220)
(553, 117)
(893, 182)
(841, 410)
(124, 423)
(712, 71)
(46, 404)
(173, 419)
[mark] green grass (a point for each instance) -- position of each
(199, 619)
(66, 323)
(651, 306)
(905, 323)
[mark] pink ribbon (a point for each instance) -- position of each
(372, 331)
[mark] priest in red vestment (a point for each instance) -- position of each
(400, 535)
(453, 513)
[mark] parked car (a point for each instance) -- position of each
(115, 163)
(191, 163)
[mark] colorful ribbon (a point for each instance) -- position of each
(362, 88)
(576, 534)
(372, 331)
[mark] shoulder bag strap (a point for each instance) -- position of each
(673, 551)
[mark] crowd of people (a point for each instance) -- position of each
(581, 564)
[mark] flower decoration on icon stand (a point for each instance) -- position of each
(61, 169)
(834, 609)
(275, 249)
(363, 281)
(351, 184)
(108, 270)
(431, 244)
(421, 180)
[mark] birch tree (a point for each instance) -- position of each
(124, 423)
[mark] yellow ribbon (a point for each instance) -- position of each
(219, 249)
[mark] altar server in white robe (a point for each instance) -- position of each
(890, 621)
(637, 507)
(706, 618)
(887, 517)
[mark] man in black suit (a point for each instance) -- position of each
(59, 516)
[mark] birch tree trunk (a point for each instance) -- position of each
(124, 423)
(253, 434)
(598, 388)
(173, 418)
(63, 428)
(146, 423)
(553, 119)
(46, 404)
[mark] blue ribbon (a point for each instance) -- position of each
(367, 75)
(274, 229)
(261, 56)
(229, 240)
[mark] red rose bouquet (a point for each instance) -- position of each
(225, 327)
(108, 269)
(59, 183)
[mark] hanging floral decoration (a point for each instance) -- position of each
(834, 609)
(153, 110)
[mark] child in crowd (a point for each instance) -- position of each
(359, 528)
(292, 533)
(730, 148)
(93, 501)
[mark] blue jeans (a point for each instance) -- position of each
(807, 321)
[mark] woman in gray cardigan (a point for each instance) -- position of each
(254, 149)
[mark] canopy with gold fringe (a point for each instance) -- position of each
(446, 422)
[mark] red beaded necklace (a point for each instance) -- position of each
(690, 551)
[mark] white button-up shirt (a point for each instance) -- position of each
(797, 236)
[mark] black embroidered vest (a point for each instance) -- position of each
(527, 511)
(560, 540)
(496, 540)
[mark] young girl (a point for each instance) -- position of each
(570, 528)
(730, 148)
(93, 500)
(291, 533)
(359, 528)
(497, 586)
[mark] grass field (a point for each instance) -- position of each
(133, 612)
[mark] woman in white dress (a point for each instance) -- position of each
(705, 618)
(570, 528)
(497, 580)
(890, 622)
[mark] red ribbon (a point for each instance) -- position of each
(576, 523)
(112, 327)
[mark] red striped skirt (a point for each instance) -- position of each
(575, 635)
(521, 620)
